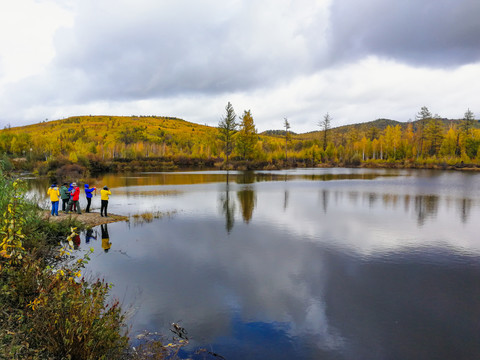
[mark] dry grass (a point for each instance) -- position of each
(89, 219)
(150, 216)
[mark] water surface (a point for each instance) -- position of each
(299, 264)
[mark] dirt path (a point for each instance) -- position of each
(89, 219)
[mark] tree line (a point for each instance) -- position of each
(427, 139)
(100, 141)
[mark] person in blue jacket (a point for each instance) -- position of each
(88, 193)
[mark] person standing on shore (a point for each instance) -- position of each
(54, 194)
(70, 200)
(65, 195)
(88, 194)
(104, 193)
(75, 198)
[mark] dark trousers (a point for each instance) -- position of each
(103, 208)
(71, 205)
(64, 204)
(75, 205)
(89, 201)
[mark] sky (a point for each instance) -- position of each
(358, 61)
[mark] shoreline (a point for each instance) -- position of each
(90, 219)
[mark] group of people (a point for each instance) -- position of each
(70, 197)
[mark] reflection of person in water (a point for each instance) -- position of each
(106, 244)
(76, 241)
(89, 235)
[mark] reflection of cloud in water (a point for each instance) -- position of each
(187, 273)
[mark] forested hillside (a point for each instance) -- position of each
(120, 143)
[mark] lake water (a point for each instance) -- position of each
(299, 264)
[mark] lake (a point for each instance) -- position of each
(298, 264)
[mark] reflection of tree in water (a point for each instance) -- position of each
(406, 203)
(465, 207)
(325, 195)
(285, 200)
(353, 196)
(390, 200)
(246, 177)
(228, 211)
(247, 200)
(228, 206)
(425, 206)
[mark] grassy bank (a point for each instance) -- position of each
(49, 310)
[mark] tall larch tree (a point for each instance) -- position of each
(247, 136)
(467, 122)
(325, 127)
(422, 117)
(227, 128)
(286, 124)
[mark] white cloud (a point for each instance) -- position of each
(188, 59)
(27, 28)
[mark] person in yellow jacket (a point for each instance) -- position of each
(54, 194)
(104, 193)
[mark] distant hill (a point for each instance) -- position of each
(379, 124)
(177, 125)
(127, 129)
(276, 133)
(375, 127)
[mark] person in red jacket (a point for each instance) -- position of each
(75, 197)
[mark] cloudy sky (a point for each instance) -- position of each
(357, 60)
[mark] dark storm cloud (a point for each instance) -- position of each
(419, 32)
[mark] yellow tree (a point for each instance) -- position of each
(449, 144)
(393, 136)
(364, 145)
(20, 144)
(433, 136)
(375, 149)
(247, 136)
(408, 140)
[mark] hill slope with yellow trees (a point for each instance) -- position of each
(122, 143)
(107, 136)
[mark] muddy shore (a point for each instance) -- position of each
(88, 219)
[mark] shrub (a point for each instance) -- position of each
(49, 312)
(70, 171)
(71, 320)
(5, 163)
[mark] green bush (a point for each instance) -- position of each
(49, 312)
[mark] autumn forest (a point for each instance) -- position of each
(92, 144)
